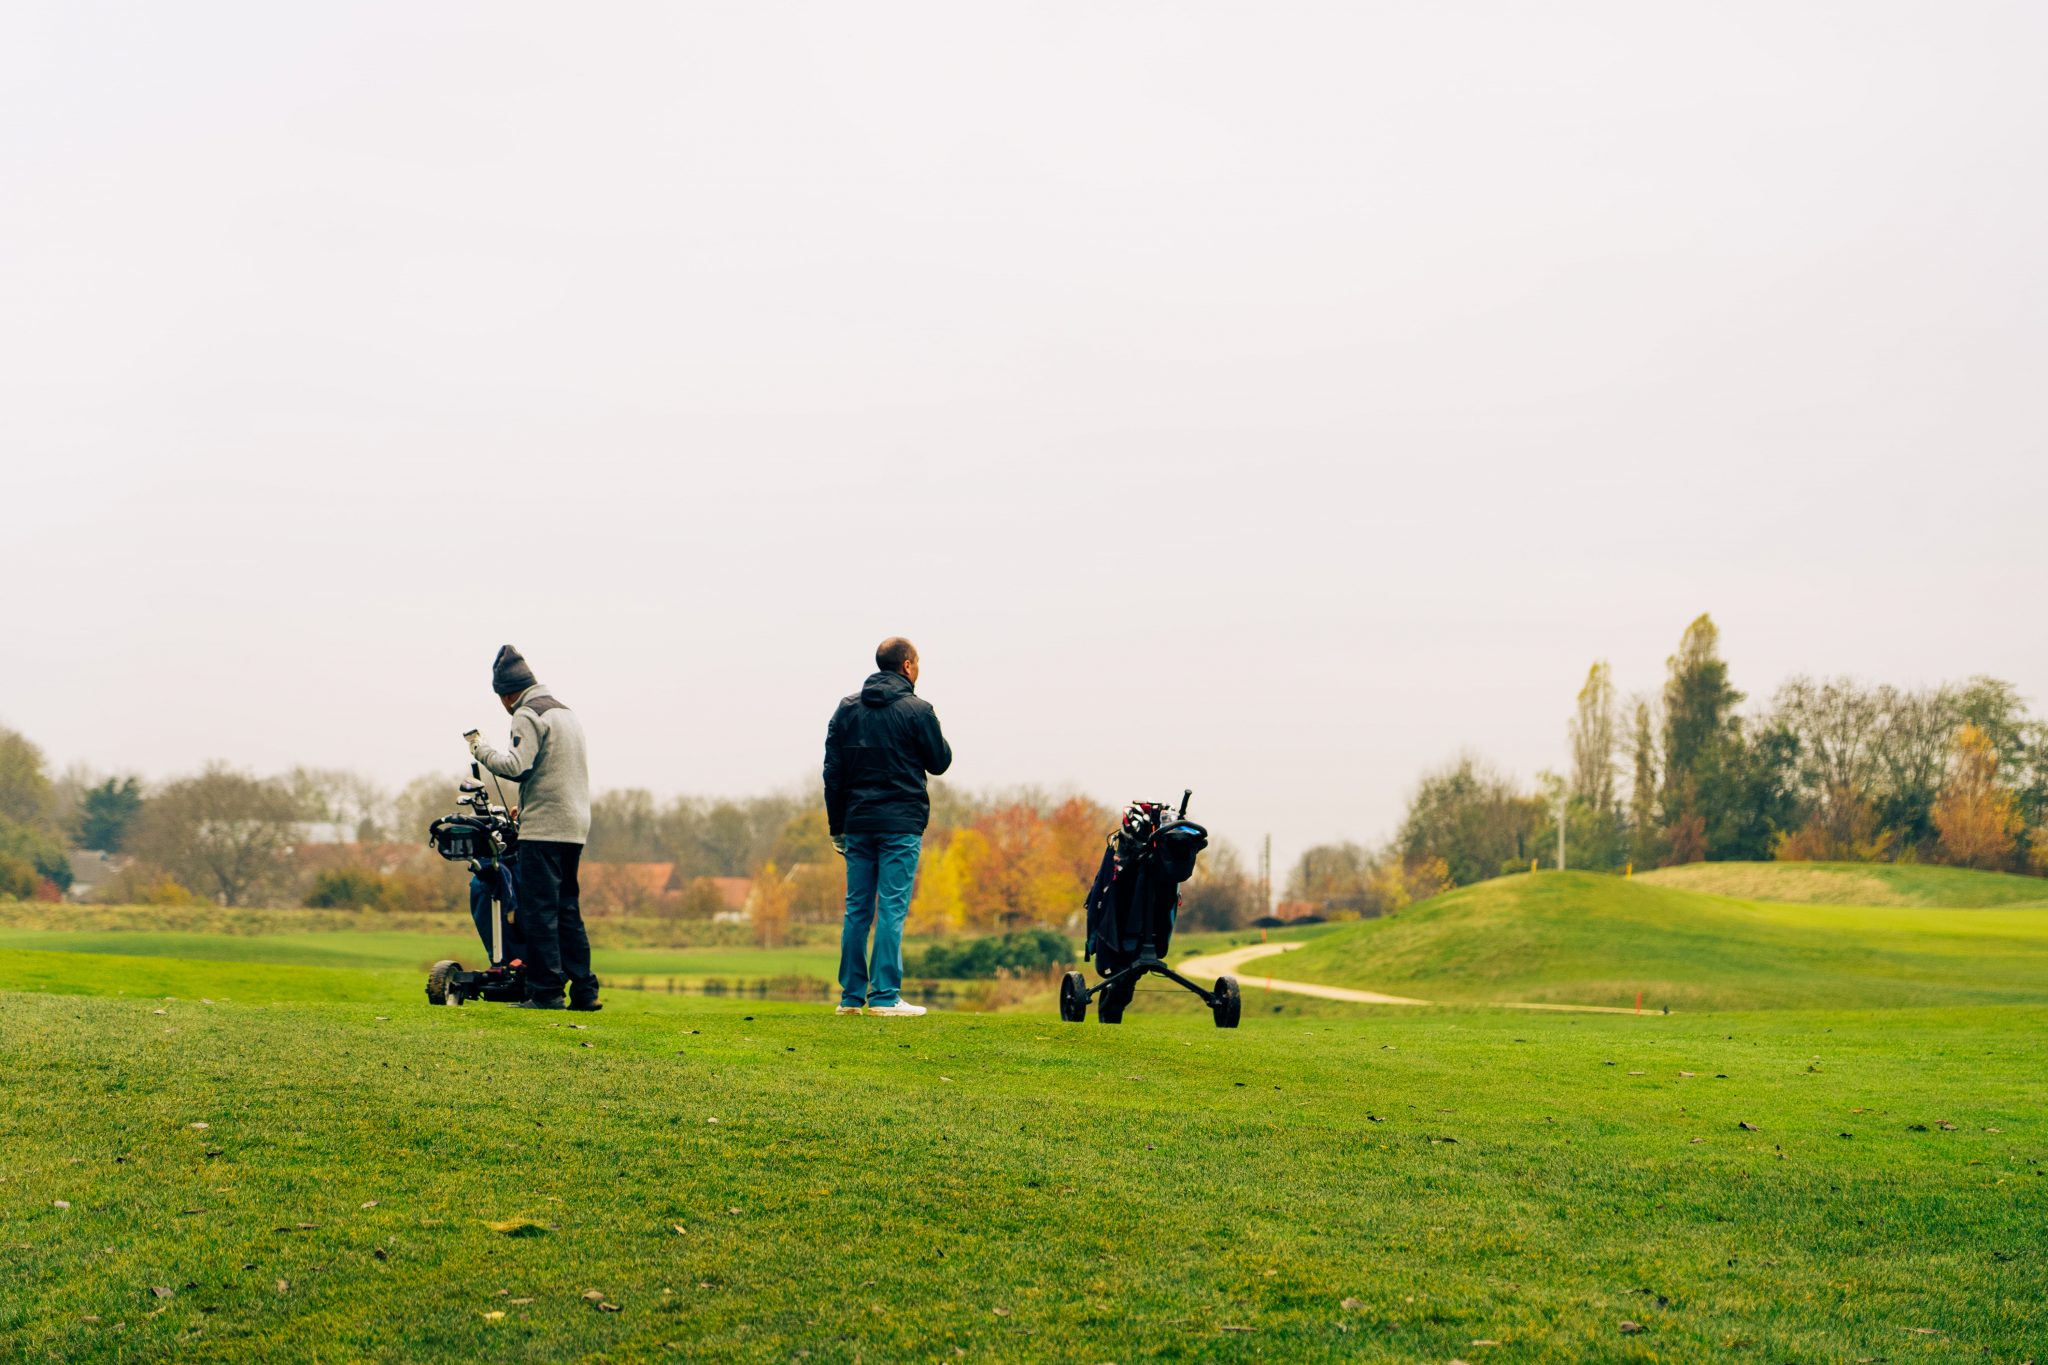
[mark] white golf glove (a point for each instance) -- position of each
(475, 738)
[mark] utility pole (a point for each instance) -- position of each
(1266, 876)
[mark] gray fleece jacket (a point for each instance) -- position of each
(548, 761)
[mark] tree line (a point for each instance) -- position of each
(996, 862)
(1828, 769)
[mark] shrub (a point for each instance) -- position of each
(163, 889)
(1030, 950)
(17, 878)
(413, 892)
(346, 888)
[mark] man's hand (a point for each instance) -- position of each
(839, 844)
(474, 738)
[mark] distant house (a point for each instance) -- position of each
(626, 888)
(91, 869)
(381, 858)
(738, 895)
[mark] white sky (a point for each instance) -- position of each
(1270, 399)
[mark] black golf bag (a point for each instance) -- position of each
(1131, 911)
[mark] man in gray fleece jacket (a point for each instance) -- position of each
(548, 762)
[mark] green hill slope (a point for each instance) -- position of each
(1854, 884)
(1582, 938)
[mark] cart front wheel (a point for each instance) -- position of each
(1229, 1002)
(1073, 997)
(438, 981)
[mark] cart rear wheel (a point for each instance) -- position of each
(1229, 1002)
(439, 980)
(1073, 997)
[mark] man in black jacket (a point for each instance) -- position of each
(878, 748)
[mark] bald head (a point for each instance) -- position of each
(897, 655)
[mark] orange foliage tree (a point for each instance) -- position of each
(1012, 867)
(771, 904)
(1975, 815)
(1844, 830)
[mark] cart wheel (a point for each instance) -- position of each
(438, 983)
(1073, 997)
(1229, 1002)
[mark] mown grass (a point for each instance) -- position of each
(416, 951)
(1900, 884)
(1004, 1186)
(1583, 938)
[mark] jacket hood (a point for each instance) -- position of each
(883, 688)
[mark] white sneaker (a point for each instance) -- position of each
(849, 1009)
(902, 1009)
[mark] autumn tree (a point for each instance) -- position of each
(1645, 827)
(1326, 874)
(1595, 739)
(341, 797)
(1473, 819)
(625, 827)
(701, 900)
(1918, 732)
(1220, 895)
(1844, 829)
(805, 838)
(950, 872)
(817, 891)
(223, 833)
(1975, 816)
(771, 904)
(26, 795)
(31, 836)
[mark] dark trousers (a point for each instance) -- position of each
(551, 921)
(492, 881)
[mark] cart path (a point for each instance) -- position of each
(1224, 964)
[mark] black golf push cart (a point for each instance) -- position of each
(1131, 912)
(482, 835)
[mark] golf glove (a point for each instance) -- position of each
(475, 738)
(839, 844)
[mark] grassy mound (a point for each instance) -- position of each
(1583, 938)
(712, 1181)
(1854, 884)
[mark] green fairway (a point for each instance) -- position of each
(254, 1146)
(1584, 938)
(1006, 1186)
(1903, 884)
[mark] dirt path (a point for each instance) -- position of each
(1233, 962)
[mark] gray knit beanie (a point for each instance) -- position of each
(509, 673)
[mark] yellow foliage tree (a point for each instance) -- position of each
(1975, 816)
(770, 907)
(940, 904)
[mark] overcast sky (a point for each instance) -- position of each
(1270, 399)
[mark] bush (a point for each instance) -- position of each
(407, 891)
(17, 878)
(346, 888)
(413, 892)
(1031, 950)
(164, 889)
